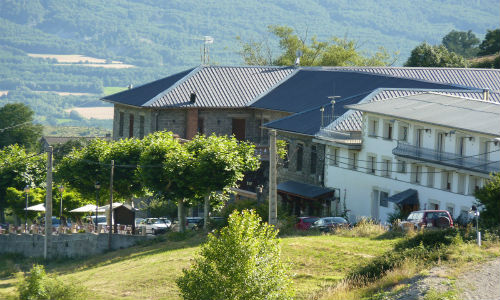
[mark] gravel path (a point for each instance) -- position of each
(477, 283)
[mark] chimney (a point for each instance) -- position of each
(130, 86)
(192, 97)
(486, 95)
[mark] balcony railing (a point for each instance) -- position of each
(471, 163)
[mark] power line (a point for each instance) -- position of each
(13, 126)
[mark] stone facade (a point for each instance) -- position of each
(65, 245)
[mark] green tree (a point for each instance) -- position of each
(462, 43)
(491, 43)
(19, 168)
(16, 200)
(488, 196)
(62, 150)
(16, 126)
(425, 55)
(335, 52)
(242, 261)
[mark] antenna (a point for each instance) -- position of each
(206, 41)
(298, 54)
(332, 98)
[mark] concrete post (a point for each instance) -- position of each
(48, 204)
(206, 214)
(110, 233)
(273, 202)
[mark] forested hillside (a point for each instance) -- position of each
(132, 42)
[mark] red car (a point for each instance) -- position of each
(430, 219)
(305, 223)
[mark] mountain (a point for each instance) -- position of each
(124, 42)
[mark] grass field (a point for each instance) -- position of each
(108, 90)
(99, 113)
(318, 263)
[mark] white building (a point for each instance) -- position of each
(437, 149)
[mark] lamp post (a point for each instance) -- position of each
(61, 190)
(97, 187)
(26, 190)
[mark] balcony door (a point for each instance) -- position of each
(239, 126)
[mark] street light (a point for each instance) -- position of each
(61, 190)
(26, 190)
(97, 187)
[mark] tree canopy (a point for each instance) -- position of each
(462, 43)
(242, 261)
(491, 43)
(17, 127)
(488, 196)
(334, 52)
(425, 55)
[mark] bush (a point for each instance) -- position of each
(241, 261)
(39, 286)
(364, 228)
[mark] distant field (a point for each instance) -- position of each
(108, 90)
(64, 93)
(74, 131)
(109, 66)
(88, 61)
(100, 113)
(4, 93)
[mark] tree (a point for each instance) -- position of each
(488, 196)
(242, 261)
(462, 43)
(19, 168)
(425, 55)
(335, 52)
(491, 43)
(16, 126)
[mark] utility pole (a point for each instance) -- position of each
(110, 233)
(273, 204)
(48, 204)
(206, 214)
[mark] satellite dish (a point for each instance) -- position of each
(208, 39)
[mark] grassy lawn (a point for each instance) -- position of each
(149, 272)
(108, 90)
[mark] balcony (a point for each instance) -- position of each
(471, 163)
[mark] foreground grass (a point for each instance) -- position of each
(320, 264)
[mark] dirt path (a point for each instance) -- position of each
(477, 282)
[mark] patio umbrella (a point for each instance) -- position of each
(38, 207)
(89, 208)
(106, 207)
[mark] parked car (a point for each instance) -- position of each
(304, 223)
(329, 224)
(101, 220)
(429, 219)
(154, 225)
(166, 221)
(194, 223)
(56, 222)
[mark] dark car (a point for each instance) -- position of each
(329, 224)
(429, 219)
(305, 223)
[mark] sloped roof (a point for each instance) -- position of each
(303, 190)
(438, 109)
(214, 86)
(310, 87)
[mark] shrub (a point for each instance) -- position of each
(364, 228)
(39, 286)
(241, 261)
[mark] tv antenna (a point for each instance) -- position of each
(207, 40)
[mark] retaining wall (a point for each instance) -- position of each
(65, 245)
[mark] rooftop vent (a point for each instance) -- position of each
(192, 97)
(486, 95)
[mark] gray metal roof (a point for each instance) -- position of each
(478, 78)
(220, 86)
(352, 120)
(303, 190)
(438, 109)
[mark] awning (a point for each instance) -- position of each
(38, 207)
(304, 190)
(408, 197)
(89, 208)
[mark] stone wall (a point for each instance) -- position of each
(66, 245)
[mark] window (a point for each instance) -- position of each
(300, 156)
(373, 128)
(141, 127)
(460, 145)
(403, 133)
(388, 130)
(461, 184)
(484, 149)
(419, 137)
(384, 196)
(334, 157)
(353, 160)
(402, 166)
(286, 159)
(446, 178)
(386, 167)
(201, 126)
(474, 184)
(450, 209)
(131, 126)
(121, 124)
(314, 157)
(440, 141)
(430, 176)
(371, 165)
(417, 174)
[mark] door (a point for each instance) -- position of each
(375, 201)
(239, 129)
